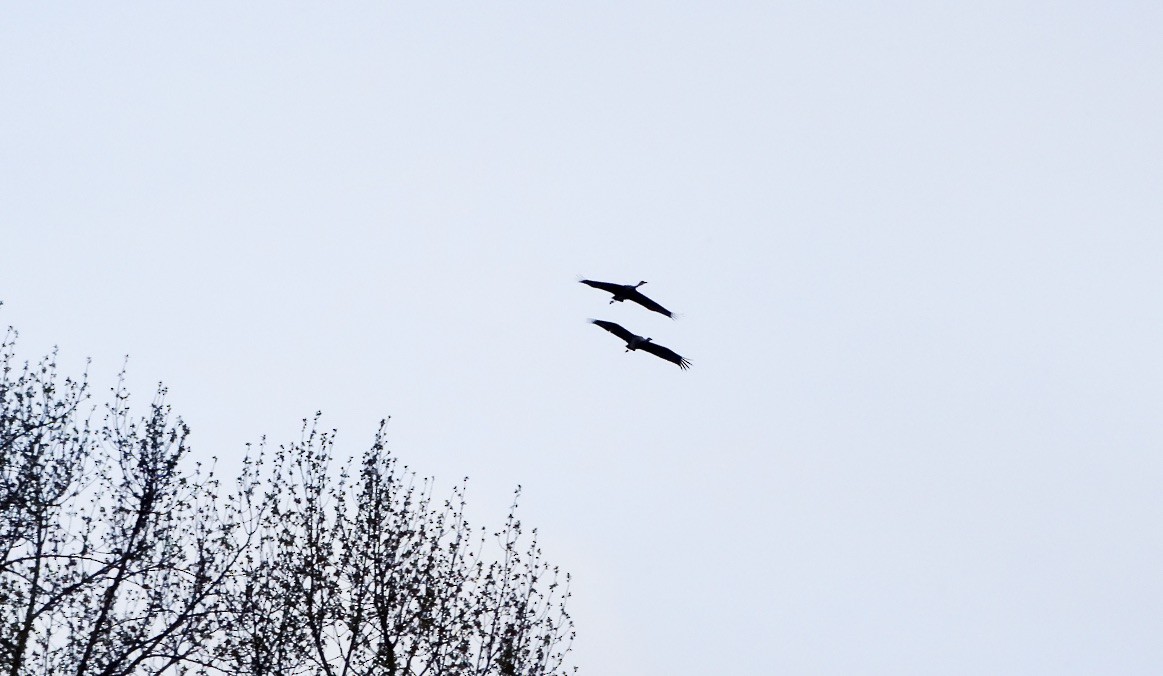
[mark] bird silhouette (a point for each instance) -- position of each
(636, 342)
(628, 292)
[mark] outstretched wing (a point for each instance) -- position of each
(604, 286)
(615, 329)
(640, 298)
(666, 353)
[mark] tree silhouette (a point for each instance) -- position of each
(115, 558)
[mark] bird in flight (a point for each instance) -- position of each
(627, 292)
(634, 342)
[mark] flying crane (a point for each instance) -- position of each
(627, 292)
(635, 342)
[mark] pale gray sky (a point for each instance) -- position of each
(916, 248)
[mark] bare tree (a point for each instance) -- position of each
(113, 561)
(41, 454)
(373, 576)
(118, 558)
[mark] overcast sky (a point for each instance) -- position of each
(915, 246)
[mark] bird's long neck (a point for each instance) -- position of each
(635, 342)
